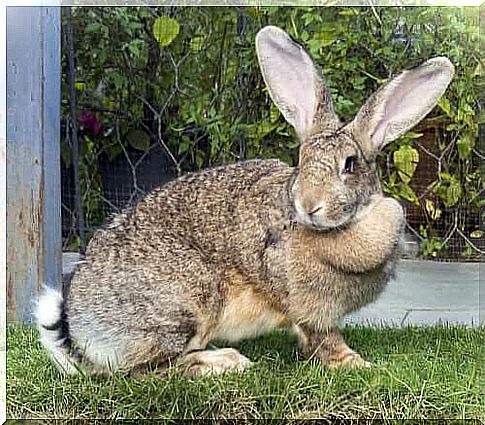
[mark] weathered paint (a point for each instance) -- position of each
(3, 223)
(33, 157)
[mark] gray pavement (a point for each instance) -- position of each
(428, 292)
(423, 293)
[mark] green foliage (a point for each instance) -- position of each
(188, 77)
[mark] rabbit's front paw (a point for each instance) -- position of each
(382, 215)
(213, 362)
(351, 359)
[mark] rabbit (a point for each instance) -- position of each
(240, 250)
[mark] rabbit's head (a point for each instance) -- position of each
(337, 166)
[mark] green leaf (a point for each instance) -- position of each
(92, 27)
(433, 211)
(79, 85)
(449, 189)
(406, 160)
(453, 193)
(117, 78)
(134, 47)
(406, 192)
(468, 251)
(165, 30)
(445, 106)
(476, 234)
(465, 145)
(264, 128)
(413, 135)
(325, 38)
(114, 151)
(184, 146)
(138, 139)
(197, 43)
(446, 176)
(274, 113)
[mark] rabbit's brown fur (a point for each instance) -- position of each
(239, 250)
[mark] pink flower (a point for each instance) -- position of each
(89, 123)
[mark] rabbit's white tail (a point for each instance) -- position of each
(54, 331)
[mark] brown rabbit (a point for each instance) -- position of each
(235, 251)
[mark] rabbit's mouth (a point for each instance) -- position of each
(319, 218)
(329, 226)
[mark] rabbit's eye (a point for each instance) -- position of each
(349, 166)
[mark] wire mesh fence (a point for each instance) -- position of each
(164, 91)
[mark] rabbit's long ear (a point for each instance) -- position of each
(294, 82)
(403, 102)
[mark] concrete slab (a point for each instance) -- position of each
(423, 293)
(426, 293)
(427, 317)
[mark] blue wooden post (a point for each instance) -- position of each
(33, 156)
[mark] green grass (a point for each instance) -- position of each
(418, 373)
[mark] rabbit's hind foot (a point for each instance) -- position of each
(213, 362)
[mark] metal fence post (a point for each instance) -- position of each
(33, 156)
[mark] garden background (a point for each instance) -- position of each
(160, 91)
